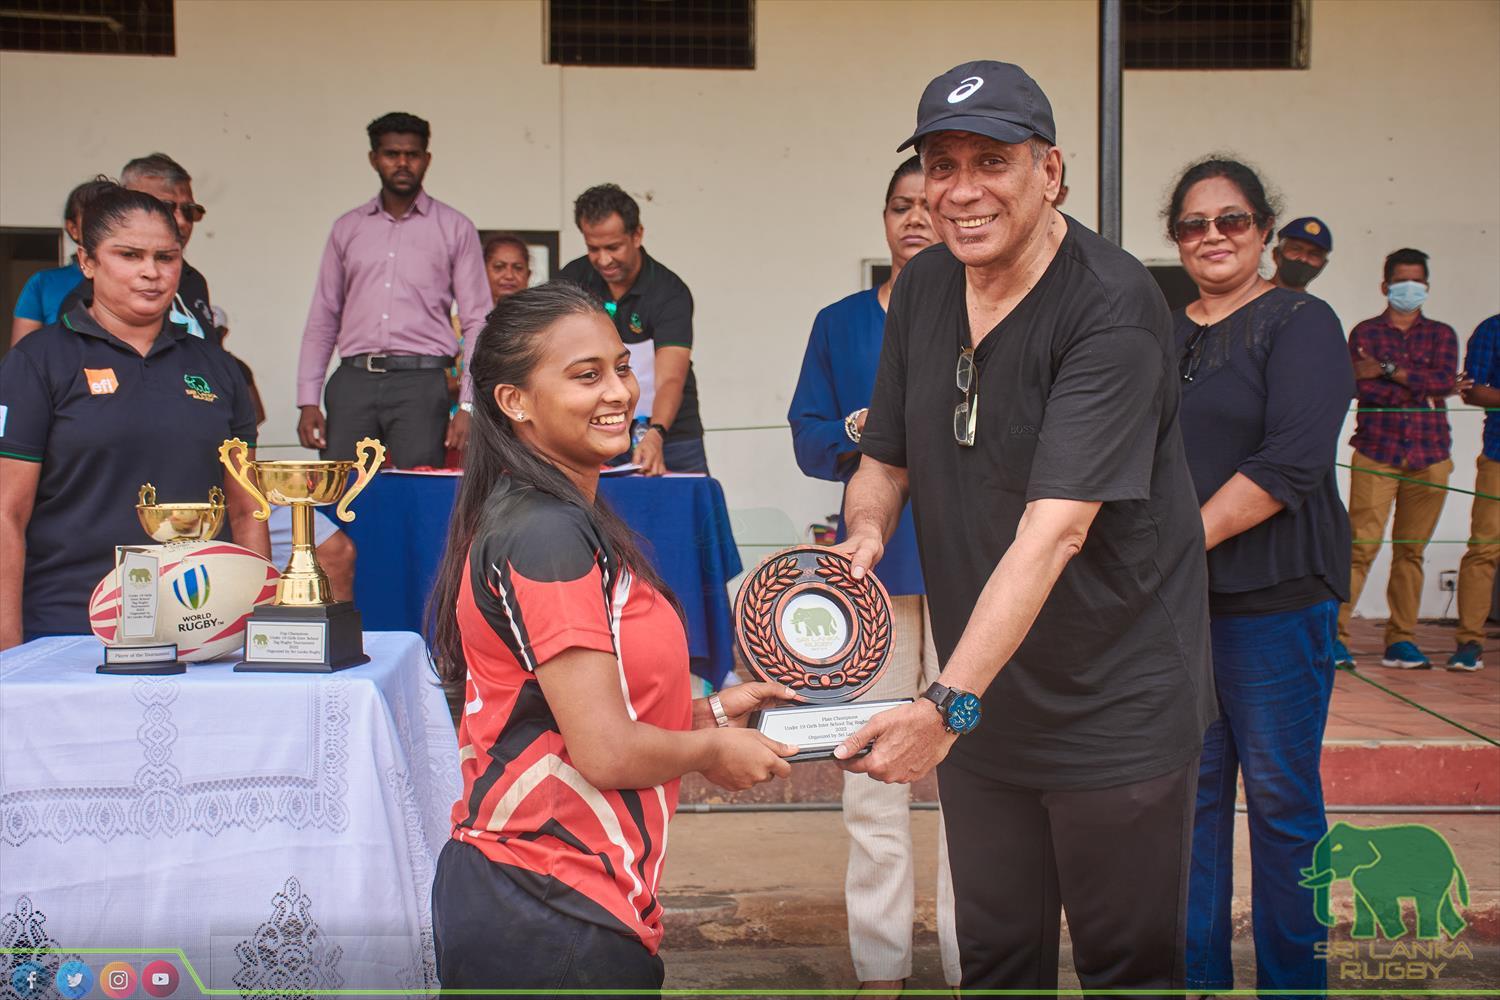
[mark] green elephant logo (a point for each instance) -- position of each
(140, 575)
(813, 621)
(1384, 865)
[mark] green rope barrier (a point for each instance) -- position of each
(1419, 706)
(1408, 479)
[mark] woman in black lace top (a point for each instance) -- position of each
(1266, 384)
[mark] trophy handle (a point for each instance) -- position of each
(366, 469)
(148, 496)
(215, 497)
(227, 451)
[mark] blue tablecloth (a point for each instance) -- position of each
(401, 528)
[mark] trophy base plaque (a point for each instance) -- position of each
(318, 639)
(141, 661)
(816, 730)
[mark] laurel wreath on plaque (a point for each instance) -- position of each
(760, 630)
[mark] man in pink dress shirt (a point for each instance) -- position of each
(391, 272)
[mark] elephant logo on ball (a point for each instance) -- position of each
(1384, 865)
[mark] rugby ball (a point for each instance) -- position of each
(204, 593)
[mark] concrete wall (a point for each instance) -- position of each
(761, 188)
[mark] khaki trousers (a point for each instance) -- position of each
(1476, 572)
(1417, 508)
(879, 888)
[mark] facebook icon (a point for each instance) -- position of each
(26, 978)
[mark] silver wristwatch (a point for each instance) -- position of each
(851, 424)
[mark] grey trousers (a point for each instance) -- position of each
(407, 411)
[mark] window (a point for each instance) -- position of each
(1215, 34)
(23, 252)
(692, 34)
(101, 27)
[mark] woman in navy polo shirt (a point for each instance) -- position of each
(109, 397)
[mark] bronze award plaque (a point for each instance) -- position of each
(803, 620)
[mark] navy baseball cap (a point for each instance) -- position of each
(1308, 228)
(988, 98)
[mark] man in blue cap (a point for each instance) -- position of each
(1301, 252)
(1062, 549)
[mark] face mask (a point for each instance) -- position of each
(1297, 273)
(1406, 296)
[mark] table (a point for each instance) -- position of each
(280, 829)
(401, 529)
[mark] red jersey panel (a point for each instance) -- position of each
(540, 581)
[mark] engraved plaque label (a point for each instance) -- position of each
(119, 655)
(822, 727)
(138, 589)
(286, 642)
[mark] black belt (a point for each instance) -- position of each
(396, 362)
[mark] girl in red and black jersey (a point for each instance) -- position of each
(578, 720)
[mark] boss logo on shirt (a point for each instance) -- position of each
(101, 381)
(1021, 430)
(197, 388)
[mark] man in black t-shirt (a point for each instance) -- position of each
(653, 312)
(1027, 403)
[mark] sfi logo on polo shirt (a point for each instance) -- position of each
(101, 381)
(198, 388)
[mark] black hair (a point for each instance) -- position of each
(501, 240)
(155, 165)
(109, 210)
(82, 197)
(603, 200)
(399, 123)
(1406, 255)
(1262, 204)
(506, 353)
(910, 165)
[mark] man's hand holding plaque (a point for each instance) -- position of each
(805, 620)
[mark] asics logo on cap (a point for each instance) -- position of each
(965, 89)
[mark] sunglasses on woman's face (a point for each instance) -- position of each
(1229, 224)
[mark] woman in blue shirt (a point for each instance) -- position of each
(827, 416)
(44, 291)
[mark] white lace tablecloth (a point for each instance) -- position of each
(280, 829)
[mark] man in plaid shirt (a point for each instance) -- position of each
(1476, 573)
(1405, 365)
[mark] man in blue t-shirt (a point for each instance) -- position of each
(1480, 386)
(43, 293)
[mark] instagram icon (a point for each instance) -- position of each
(117, 979)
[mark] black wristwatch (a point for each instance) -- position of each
(960, 710)
(1387, 369)
(659, 428)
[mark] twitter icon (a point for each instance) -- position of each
(74, 979)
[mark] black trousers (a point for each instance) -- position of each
(1116, 859)
(407, 411)
(490, 934)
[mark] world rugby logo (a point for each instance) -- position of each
(191, 588)
(965, 89)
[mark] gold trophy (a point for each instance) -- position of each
(303, 630)
(135, 651)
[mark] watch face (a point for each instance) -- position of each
(963, 713)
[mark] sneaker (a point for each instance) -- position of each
(1406, 656)
(1342, 658)
(1468, 657)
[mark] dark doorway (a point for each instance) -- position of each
(23, 252)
